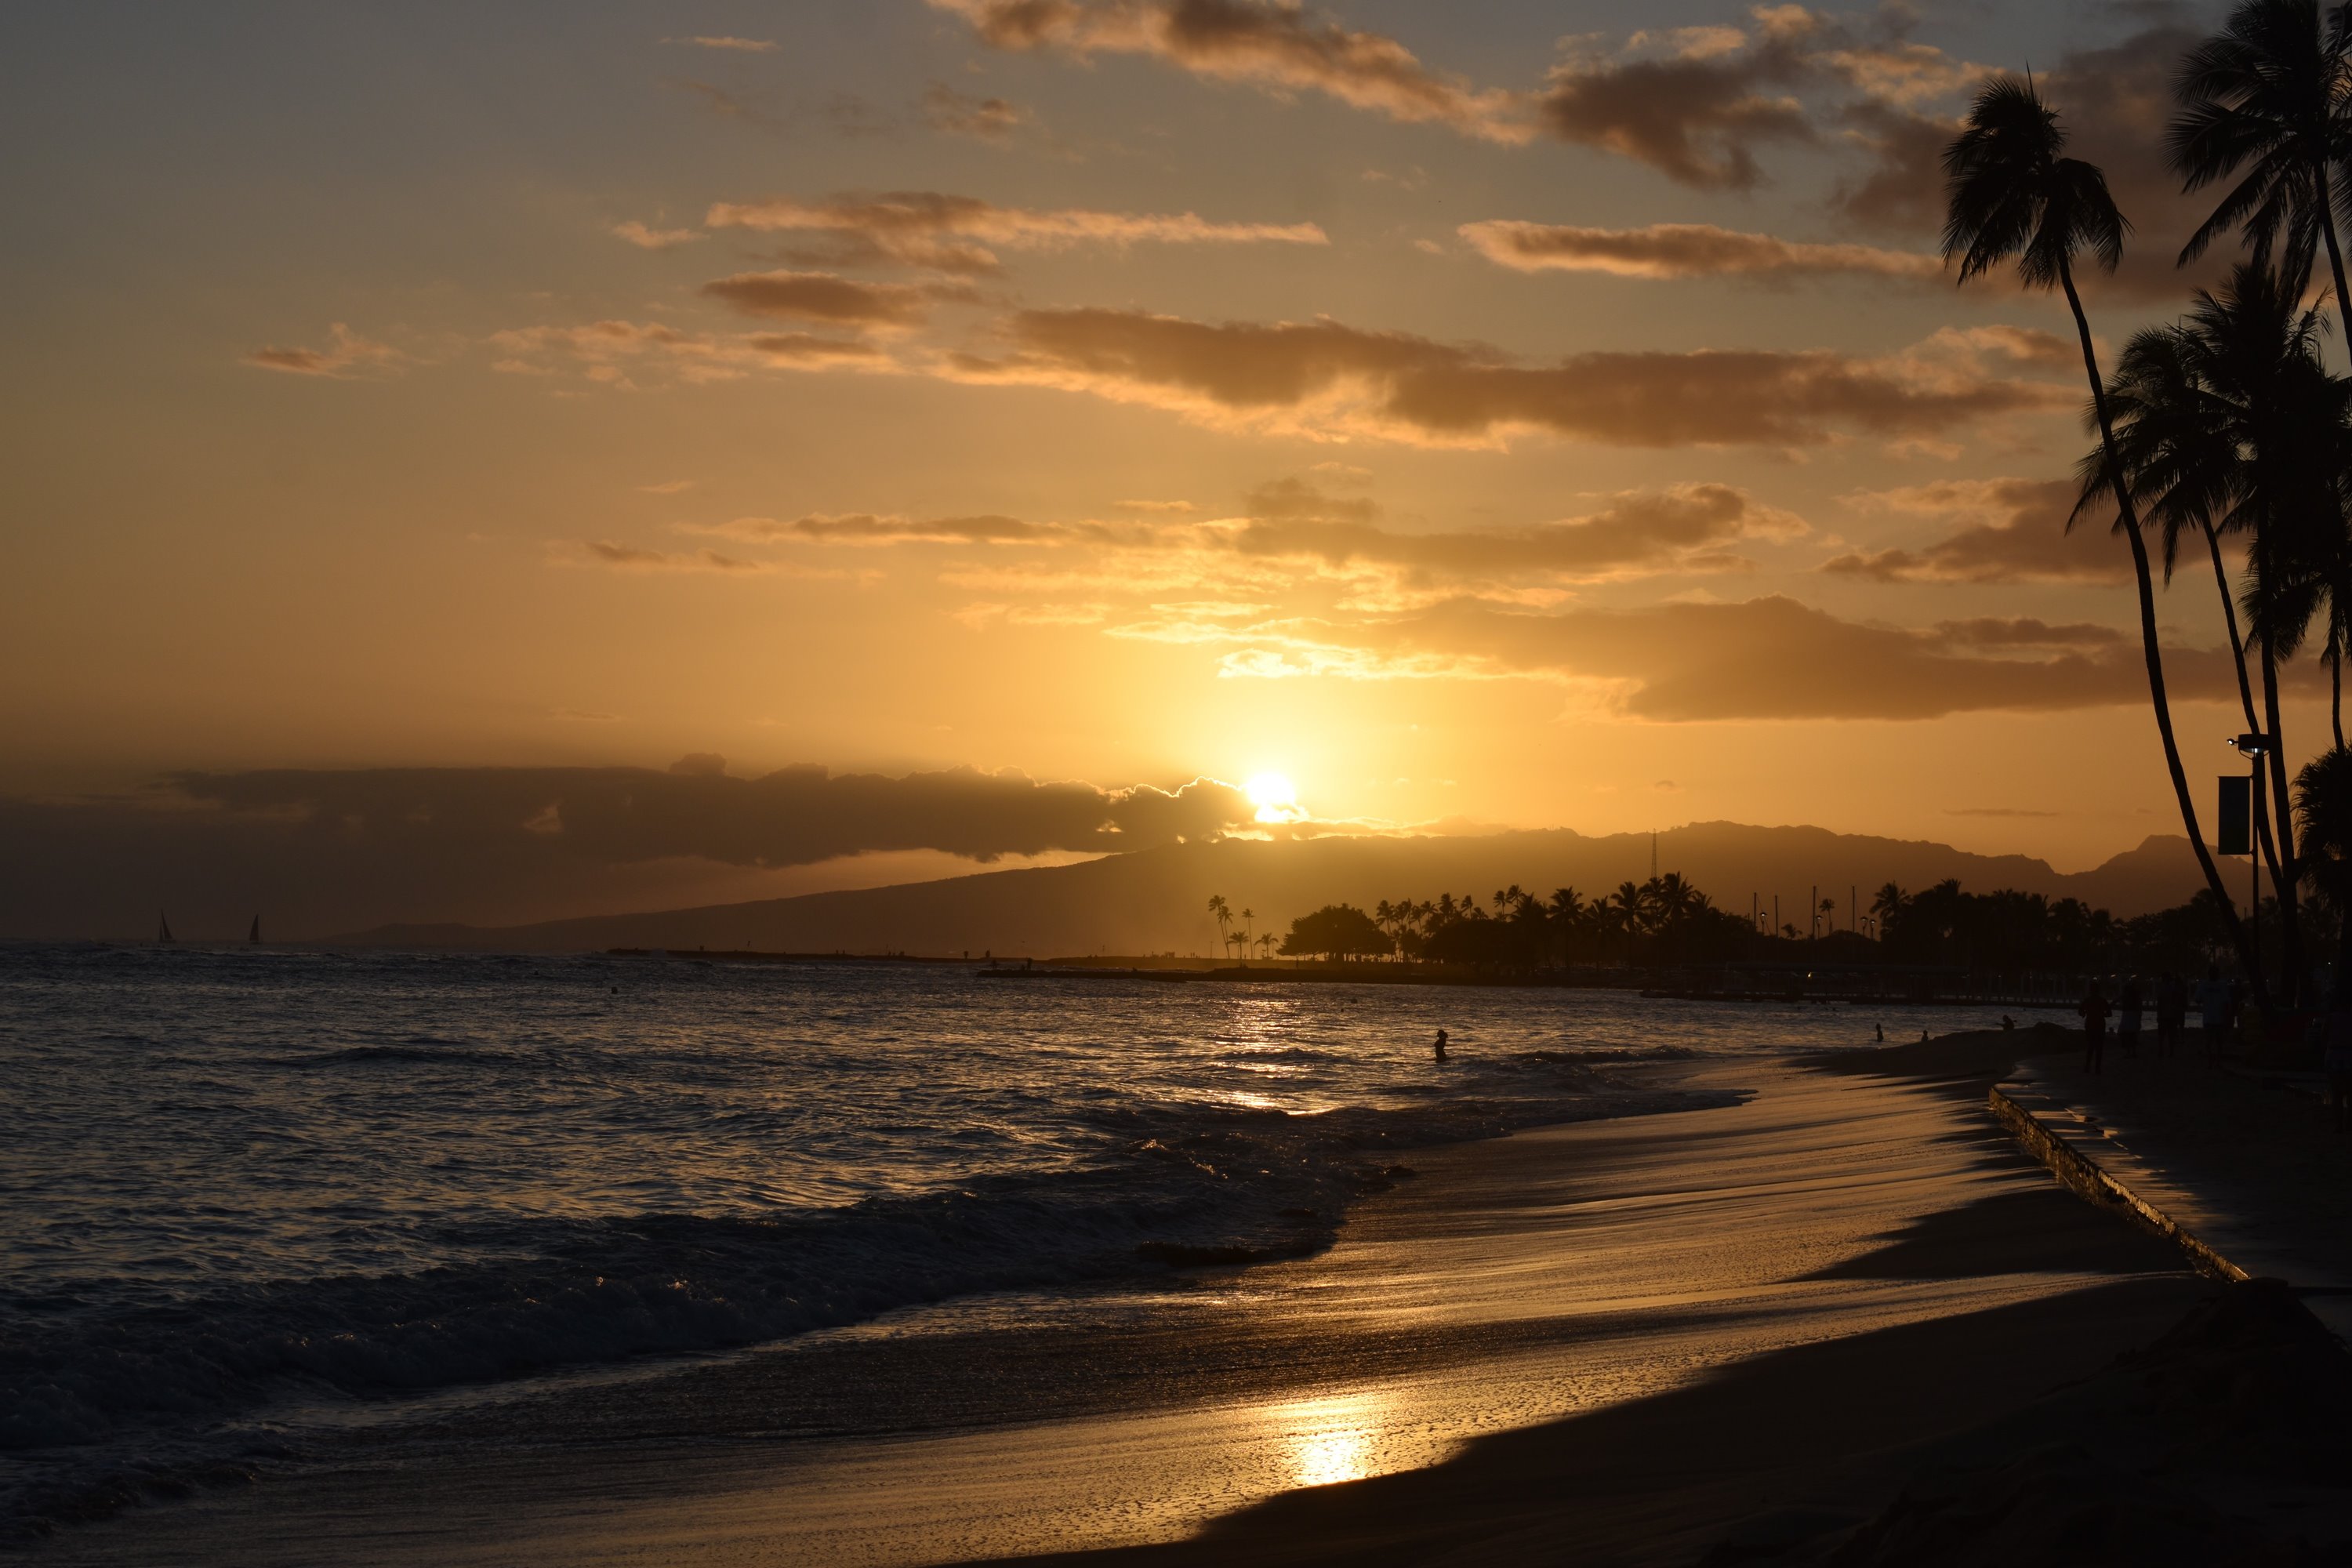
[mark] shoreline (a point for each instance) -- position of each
(1518, 1280)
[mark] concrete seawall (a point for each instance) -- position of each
(2096, 1182)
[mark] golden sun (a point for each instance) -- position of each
(1273, 795)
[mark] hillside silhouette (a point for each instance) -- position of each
(1155, 901)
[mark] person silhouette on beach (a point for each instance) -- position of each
(2094, 1008)
(2127, 1025)
(2214, 1009)
(2171, 1012)
(1882, 1034)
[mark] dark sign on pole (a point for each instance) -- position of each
(2237, 815)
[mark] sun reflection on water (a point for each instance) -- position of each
(1332, 1440)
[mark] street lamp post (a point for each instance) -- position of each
(2253, 748)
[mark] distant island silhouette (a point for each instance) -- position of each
(1156, 901)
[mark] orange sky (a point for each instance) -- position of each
(1530, 415)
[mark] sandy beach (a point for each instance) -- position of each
(1639, 1336)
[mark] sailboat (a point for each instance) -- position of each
(162, 927)
(254, 936)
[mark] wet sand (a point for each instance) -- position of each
(1647, 1332)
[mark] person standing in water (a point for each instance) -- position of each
(1440, 1047)
(2094, 1008)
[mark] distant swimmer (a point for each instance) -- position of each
(1440, 1047)
(1882, 1034)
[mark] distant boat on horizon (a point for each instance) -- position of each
(254, 936)
(162, 927)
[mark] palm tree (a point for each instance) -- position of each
(2011, 192)
(1247, 917)
(1629, 907)
(2228, 419)
(2271, 90)
(1567, 912)
(1224, 913)
(2181, 455)
(2323, 804)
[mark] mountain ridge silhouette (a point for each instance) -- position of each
(1155, 901)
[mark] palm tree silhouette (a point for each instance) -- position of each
(2323, 804)
(2229, 419)
(1224, 913)
(2271, 89)
(1247, 917)
(2011, 192)
(1566, 913)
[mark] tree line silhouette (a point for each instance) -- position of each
(2226, 423)
(1666, 922)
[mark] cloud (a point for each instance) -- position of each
(1322, 378)
(2011, 530)
(1684, 250)
(866, 528)
(992, 120)
(1276, 47)
(646, 238)
(668, 488)
(952, 234)
(732, 44)
(1903, 188)
(2114, 101)
(821, 297)
(1695, 118)
(327, 851)
(1687, 527)
(346, 352)
(632, 558)
(603, 348)
(1759, 659)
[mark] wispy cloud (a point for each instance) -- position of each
(952, 234)
(729, 45)
(991, 120)
(2002, 531)
(1684, 250)
(346, 353)
(645, 238)
(1323, 378)
(1277, 47)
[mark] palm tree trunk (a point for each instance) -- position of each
(2149, 644)
(2283, 877)
(2336, 688)
(2327, 202)
(2267, 844)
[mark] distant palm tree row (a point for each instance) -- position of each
(2226, 423)
(1665, 922)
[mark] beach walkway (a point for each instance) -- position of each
(2245, 1162)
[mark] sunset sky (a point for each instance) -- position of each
(1527, 414)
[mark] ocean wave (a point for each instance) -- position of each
(1212, 1186)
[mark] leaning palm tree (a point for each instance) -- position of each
(2229, 421)
(1224, 913)
(2010, 191)
(2270, 93)
(2176, 438)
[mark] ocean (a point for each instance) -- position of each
(248, 1193)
